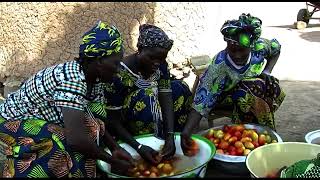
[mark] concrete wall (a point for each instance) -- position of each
(35, 35)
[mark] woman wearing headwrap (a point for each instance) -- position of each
(238, 78)
(149, 100)
(46, 127)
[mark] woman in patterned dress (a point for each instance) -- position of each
(239, 78)
(45, 126)
(149, 100)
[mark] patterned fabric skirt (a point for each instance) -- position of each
(36, 148)
(254, 101)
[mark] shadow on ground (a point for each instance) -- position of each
(313, 36)
(311, 33)
(293, 26)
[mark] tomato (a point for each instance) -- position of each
(238, 135)
(231, 148)
(220, 151)
(211, 133)
(238, 144)
(223, 145)
(246, 139)
(239, 151)
(249, 145)
(246, 152)
(226, 128)
(232, 140)
(233, 153)
(239, 128)
(256, 144)
(262, 139)
(254, 136)
(167, 168)
(227, 136)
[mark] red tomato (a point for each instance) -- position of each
(231, 148)
(239, 151)
(233, 153)
(223, 145)
(256, 144)
(225, 128)
(239, 128)
(238, 135)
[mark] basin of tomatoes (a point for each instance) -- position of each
(165, 168)
(236, 140)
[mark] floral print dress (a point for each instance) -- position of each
(253, 99)
(138, 99)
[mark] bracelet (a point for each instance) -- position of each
(139, 147)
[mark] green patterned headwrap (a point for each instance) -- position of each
(244, 31)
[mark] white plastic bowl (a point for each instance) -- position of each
(206, 152)
(312, 136)
(270, 157)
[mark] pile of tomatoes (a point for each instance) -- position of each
(236, 140)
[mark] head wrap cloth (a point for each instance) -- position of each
(151, 36)
(102, 40)
(245, 31)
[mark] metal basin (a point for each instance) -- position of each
(235, 165)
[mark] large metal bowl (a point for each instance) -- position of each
(205, 154)
(236, 164)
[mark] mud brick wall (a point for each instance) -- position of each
(34, 35)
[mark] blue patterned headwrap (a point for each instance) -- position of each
(102, 40)
(152, 36)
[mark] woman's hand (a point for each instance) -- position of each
(149, 154)
(169, 148)
(268, 78)
(186, 143)
(122, 154)
(120, 166)
(121, 161)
